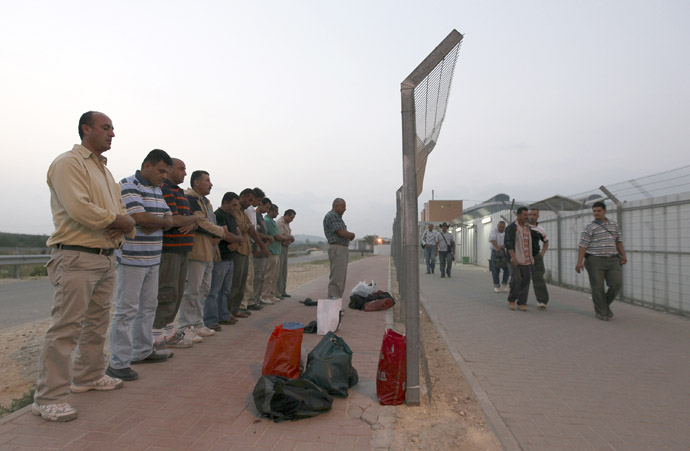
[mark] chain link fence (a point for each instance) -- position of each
(424, 97)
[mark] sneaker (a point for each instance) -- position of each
(241, 314)
(275, 299)
(55, 412)
(542, 306)
(609, 314)
(215, 327)
(162, 349)
(154, 357)
(126, 374)
(267, 301)
(254, 307)
(285, 295)
(511, 305)
(105, 383)
(443, 276)
(178, 341)
(602, 317)
(522, 308)
(505, 288)
(204, 331)
(190, 334)
(497, 290)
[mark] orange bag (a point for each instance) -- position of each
(283, 351)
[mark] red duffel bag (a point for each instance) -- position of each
(392, 372)
(378, 304)
(283, 351)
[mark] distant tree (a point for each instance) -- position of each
(370, 239)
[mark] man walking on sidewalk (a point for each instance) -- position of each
(90, 223)
(429, 246)
(445, 248)
(518, 241)
(497, 261)
(601, 249)
(538, 270)
(338, 241)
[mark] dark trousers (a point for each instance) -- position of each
(604, 270)
(171, 281)
(445, 262)
(240, 269)
(520, 276)
(538, 282)
(496, 271)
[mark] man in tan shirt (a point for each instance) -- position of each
(90, 221)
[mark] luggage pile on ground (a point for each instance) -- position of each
(370, 299)
(328, 373)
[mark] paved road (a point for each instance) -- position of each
(23, 301)
(561, 379)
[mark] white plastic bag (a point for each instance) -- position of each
(363, 289)
(328, 315)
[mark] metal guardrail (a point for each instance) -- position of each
(19, 260)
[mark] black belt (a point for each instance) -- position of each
(90, 250)
(602, 256)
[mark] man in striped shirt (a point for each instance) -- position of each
(178, 242)
(602, 254)
(131, 339)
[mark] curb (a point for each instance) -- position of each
(505, 436)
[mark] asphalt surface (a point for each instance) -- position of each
(24, 301)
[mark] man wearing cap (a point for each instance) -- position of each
(90, 223)
(445, 248)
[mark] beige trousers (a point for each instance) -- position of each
(84, 285)
(338, 256)
(248, 297)
(271, 277)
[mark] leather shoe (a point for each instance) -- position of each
(228, 322)
(154, 357)
(285, 295)
(126, 374)
(217, 327)
(241, 315)
(254, 307)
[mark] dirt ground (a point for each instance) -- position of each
(449, 416)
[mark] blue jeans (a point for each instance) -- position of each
(216, 306)
(430, 258)
(131, 337)
(496, 271)
(445, 262)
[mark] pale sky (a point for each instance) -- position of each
(302, 98)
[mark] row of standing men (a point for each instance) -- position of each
(174, 254)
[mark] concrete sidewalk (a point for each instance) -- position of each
(202, 398)
(561, 379)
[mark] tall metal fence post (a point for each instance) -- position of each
(410, 243)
